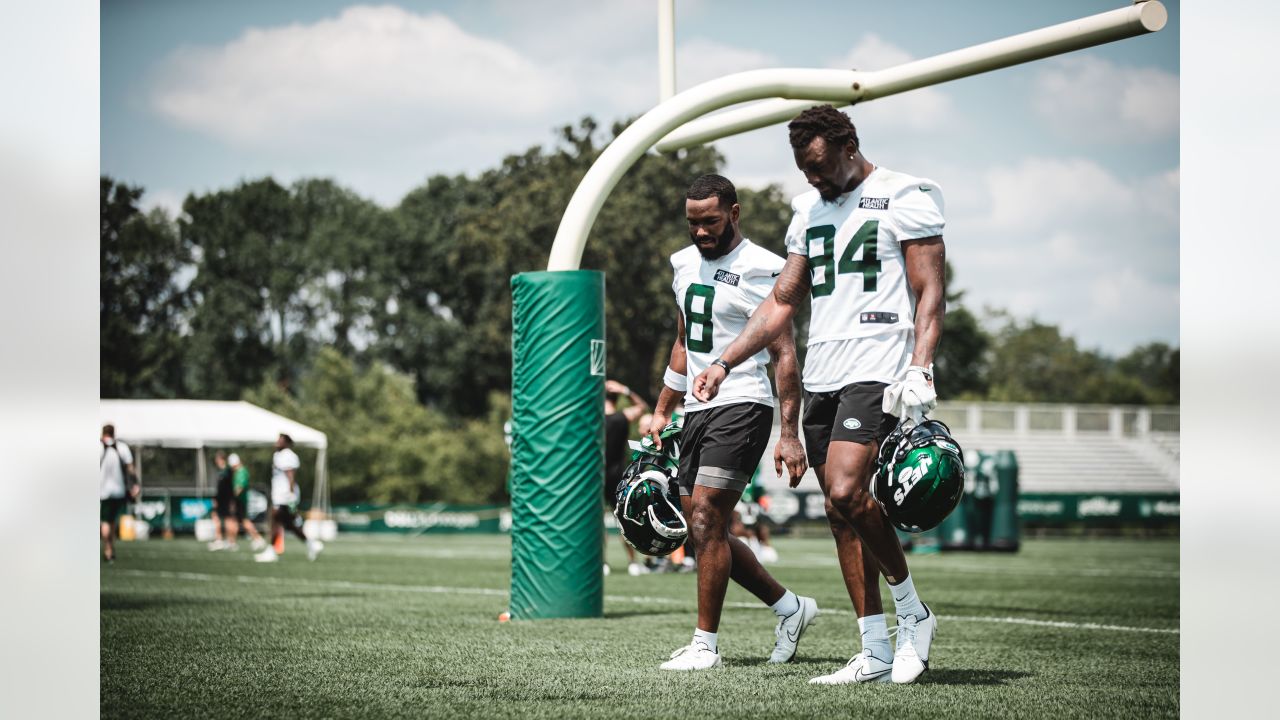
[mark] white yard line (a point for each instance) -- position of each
(637, 599)
(1057, 624)
(796, 560)
(813, 560)
(341, 584)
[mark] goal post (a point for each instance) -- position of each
(841, 87)
(1138, 19)
(557, 395)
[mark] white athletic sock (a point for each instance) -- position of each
(706, 638)
(875, 636)
(905, 600)
(788, 604)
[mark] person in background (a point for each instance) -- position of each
(617, 427)
(117, 484)
(284, 500)
(224, 525)
(749, 520)
(240, 489)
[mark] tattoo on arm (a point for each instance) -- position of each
(793, 285)
(787, 375)
(774, 314)
(678, 360)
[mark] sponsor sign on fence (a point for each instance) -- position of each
(1098, 508)
(178, 511)
(436, 518)
(783, 507)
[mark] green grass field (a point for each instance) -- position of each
(406, 627)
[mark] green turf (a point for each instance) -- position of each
(406, 627)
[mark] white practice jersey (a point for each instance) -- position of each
(717, 297)
(112, 482)
(282, 491)
(862, 326)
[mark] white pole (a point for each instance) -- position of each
(201, 471)
(666, 49)
(566, 251)
(1137, 19)
(834, 86)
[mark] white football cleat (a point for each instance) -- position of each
(768, 555)
(790, 628)
(259, 545)
(606, 570)
(313, 549)
(636, 569)
(217, 545)
(694, 656)
(863, 668)
(268, 555)
(911, 658)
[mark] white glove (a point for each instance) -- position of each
(912, 397)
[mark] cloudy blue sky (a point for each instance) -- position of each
(1061, 177)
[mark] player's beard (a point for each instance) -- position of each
(722, 243)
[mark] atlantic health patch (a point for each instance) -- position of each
(727, 277)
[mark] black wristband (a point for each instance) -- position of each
(722, 364)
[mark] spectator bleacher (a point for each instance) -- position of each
(1065, 448)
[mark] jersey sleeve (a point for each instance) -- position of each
(289, 461)
(675, 277)
(758, 283)
(126, 455)
(797, 242)
(917, 210)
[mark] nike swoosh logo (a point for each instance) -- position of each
(925, 189)
(796, 637)
(776, 274)
(860, 675)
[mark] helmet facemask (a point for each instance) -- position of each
(647, 508)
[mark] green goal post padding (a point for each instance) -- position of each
(557, 398)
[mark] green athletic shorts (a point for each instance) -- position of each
(110, 509)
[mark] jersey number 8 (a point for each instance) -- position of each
(868, 266)
(700, 318)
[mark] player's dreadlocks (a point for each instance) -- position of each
(713, 186)
(826, 122)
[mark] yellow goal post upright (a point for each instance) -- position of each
(557, 316)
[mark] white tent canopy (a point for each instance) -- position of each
(198, 424)
(202, 423)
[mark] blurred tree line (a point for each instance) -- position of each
(389, 329)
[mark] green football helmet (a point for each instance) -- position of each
(920, 476)
(647, 499)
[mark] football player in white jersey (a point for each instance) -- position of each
(720, 280)
(866, 245)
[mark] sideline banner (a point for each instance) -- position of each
(179, 512)
(415, 519)
(1099, 508)
(788, 506)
